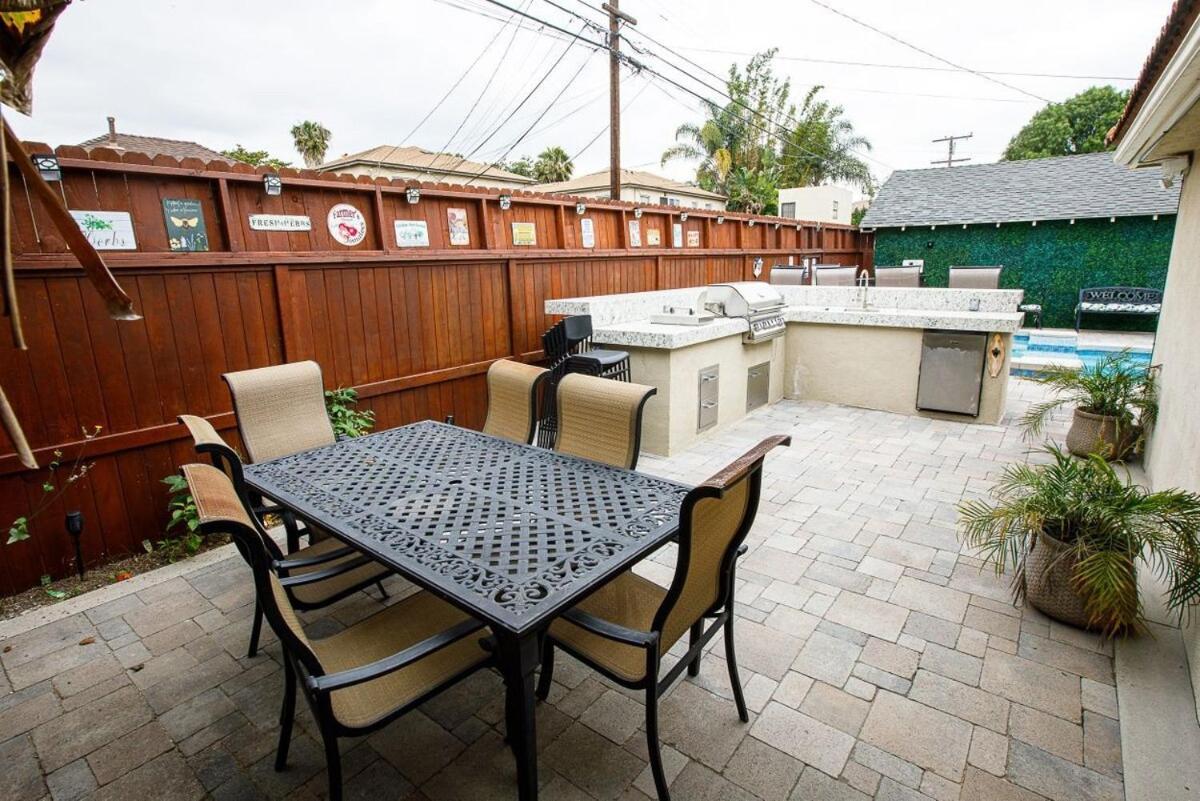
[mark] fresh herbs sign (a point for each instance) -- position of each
(186, 230)
(107, 230)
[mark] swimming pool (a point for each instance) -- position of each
(1033, 351)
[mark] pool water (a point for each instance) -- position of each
(1028, 356)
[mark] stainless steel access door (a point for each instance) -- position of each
(951, 372)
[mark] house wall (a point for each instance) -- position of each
(1171, 458)
(816, 203)
(1051, 261)
(406, 174)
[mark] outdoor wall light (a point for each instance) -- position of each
(798, 227)
(1034, 223)
(683, 216)
(637, 214)
(776, 226)
(752, 223)
(506, 202)
(580, 209)
(1112, 219)
(413, 194)
(47, 165)
(272, 184)
(720, 219)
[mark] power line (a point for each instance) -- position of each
(918, 67)
(645, 85)
(925, 52)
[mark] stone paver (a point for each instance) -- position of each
(878, 660)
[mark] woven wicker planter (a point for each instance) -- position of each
(1089, 431)
(1048, 584)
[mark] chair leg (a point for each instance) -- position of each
(697, 631)
(731, 660)
(547, 675)
(287, 716)
(382, 591)
(255, 630)
(333, 765)
(655, 749)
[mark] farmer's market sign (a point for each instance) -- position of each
(280, 222)
(346, 224)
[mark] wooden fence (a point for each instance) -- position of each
(413, 329)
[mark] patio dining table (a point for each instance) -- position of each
(509, 533)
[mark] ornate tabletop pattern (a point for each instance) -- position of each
(515, 533)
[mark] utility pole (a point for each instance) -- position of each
(615, 18)
(950, 161)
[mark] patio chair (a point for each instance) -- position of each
(280, 411)
(600, 419)
(788, 275)
(624, 629)
(906, 277)
(513, 400)
(834, 275)
(568, 347)
(363, 677)
(975, 277)
(345, 570)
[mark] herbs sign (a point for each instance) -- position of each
(347, 224)
(107, 230)
(280, 222)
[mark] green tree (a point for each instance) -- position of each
(821, 148)
(522, 166)
(553, 165)
(255, 158)
(758, 141)
(1076, 125)
(311, 140)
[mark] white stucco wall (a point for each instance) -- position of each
(816, 203)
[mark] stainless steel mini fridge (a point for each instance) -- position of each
(951, 372)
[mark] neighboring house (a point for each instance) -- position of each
(414, 163)
(1057, 225)
(151, 145)
(638, 186)
(831, 204)
(1161, 127)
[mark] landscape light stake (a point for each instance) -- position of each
(75, 529)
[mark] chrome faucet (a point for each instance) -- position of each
(863, 281)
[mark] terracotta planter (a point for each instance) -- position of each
(1090, 432)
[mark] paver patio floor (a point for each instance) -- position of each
(878, 662)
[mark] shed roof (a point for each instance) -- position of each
(1068, 187)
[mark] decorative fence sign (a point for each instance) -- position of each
(460, 234)
(587, 230)
(635, 233)
(524, 234)
(186, 230)
(677, 235)
(346, 224)
(412, 233)
(653, 237)
(107, 230)
(693, 239)
(280, 222)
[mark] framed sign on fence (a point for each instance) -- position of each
(107, 230)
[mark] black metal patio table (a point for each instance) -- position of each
(511, 534)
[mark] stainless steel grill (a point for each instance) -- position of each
(754, 301)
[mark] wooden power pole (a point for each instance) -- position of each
(615, 18)
(950, 161)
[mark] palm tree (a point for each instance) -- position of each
(312, 140)
(821, 147)
(553, 165)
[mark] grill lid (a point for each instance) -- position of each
(745, 298)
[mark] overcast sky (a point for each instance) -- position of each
(223, 73)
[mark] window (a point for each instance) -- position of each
(643, 198)
(708, 205)
(787, 210)
(663, 200)
(671, 201)
(835, 210)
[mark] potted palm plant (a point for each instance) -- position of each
(1073, 530)
(1114, 399)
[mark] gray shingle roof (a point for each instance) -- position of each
(1068, 187)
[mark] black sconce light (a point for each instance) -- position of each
(752, 223)
(74, 525)
(47, 166)
(580, 209)
(683, 216)
(506, 202)
(412, 194)
(273, 184)
(720, 219)
(637, 214)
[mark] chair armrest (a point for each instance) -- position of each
(308, 561)
(400, 659)
(322, 575)
(743, 549)
(610, 630)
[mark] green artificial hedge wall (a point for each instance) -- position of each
(1051, 261)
